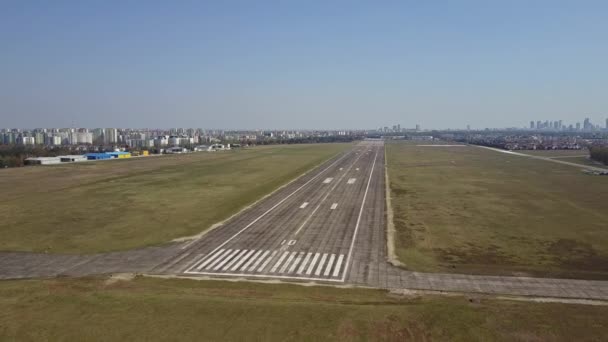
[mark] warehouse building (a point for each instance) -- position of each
(119, 155)
(43, 161)
(73, 158)
(98, 156)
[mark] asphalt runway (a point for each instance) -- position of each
(316, 228)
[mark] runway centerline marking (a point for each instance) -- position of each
(325, 197)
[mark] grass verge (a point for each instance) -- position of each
(147, 309)
(472, 210)
(123, 204)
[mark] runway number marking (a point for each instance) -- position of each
(289, 243)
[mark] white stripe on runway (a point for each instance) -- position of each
(338, 264)
(351, 180)
(296, 262)
(278, 263)
(238, 264)
(312, 264)
(225, 260)
(251, 260)
(267, 261)
(303, 205)
(258, 261)
(327, 180)
(357, 169)
(284, 267)
(320, 267)
(235, 259)
(329, 264)
(334, 206)
(210, 259)
(218, 259)
(341, 168)
(301, 269)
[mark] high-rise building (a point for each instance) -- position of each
(607, 124)
(110, 136)
(531, 124)
(578, 126)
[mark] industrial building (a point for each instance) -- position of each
(73, 158)
(120, 155)
(43, 161)
(98, 156)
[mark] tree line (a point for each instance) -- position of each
(599, 153)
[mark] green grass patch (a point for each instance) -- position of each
(471, 210)
(123, 204)
(147, 309)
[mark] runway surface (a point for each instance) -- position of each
(316, 228)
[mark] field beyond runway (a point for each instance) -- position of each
(124, 204)
(146, 309)
(473, 210)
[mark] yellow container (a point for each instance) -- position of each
(145, 153)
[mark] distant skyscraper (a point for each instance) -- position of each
(531, 124)
(417, 127)
(578, 126)
(606, 123)
(587, 126)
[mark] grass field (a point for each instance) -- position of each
(471, 210)
(122, 204)
(147, 309)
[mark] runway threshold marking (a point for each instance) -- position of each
(228, 261)
(269, 210)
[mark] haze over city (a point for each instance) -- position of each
(314, 65)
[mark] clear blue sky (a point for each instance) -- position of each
(302, 64)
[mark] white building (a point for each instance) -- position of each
(110, 136)
(161, 141)
(72, 158)
(26, 140)
(43, 161)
